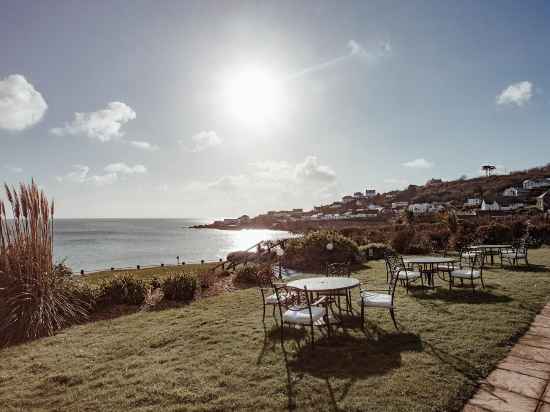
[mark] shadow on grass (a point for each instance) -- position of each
(346, 357)
(528, 269)
(463, 295)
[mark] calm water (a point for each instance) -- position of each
(92, 244)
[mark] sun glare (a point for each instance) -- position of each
(254, 97)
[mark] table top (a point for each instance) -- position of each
(323, 284)
(490, 246)
(429, 259)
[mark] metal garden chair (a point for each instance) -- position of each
(296, 308)
(514, 255)
(471, 271)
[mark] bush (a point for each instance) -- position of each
(180, 287)
(239, 257)
(310, 251)
(374, 251)
(206, 278)
(402, 239)
(495, 233)
(35, 298)
(247, 275)
(122, 290)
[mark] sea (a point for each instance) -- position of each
(97, 244)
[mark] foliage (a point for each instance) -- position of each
(310, 251)
(495, 233)
(247, 274)
(403, 238)
(240, 257)
(122, 290)
(374, 251)
(35, 300)
(206, 278)
(180, 287)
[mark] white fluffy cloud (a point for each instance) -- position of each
(202, 141)
(310, 169)
(21, 106)
(14, 169)
(81, 174)
(125, 169)
(144, 145)
(104, 124)
(517, 93)
(419, 163)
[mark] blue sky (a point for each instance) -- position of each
(209, 109)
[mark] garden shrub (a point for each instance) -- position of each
(206, 278)
(495, 233)
(247, 275)
(374, 251)
(403, 238)
(122, 290)
(180, 287)
(310, 251)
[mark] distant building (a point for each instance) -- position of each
(348, 199)
(543, 201)
(358, 195)
(473, 201)
(399, 205)
(419, 208)
(336, 205)
(514, 192)
(535, 183)
(244, 219)
(231, 221)
(370, 193)
(492, 206)
(433, 182)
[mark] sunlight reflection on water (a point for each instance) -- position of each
(244, 239)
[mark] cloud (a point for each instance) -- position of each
(311, 170)
(419, 163)
(21, 106)
(125, 169)
(517, 93)
(202, 141)
(229, 183)
(144, 145)
(14, 169)
(103, 125)
(81, 174)
(356, 50)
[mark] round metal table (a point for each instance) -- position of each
(324, 284)
(491, 249)
(428, 264)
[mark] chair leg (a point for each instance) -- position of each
(362, 315)
(482, 283)
(312, 337)
(263, 316)
(393, 318)
(450, 283)
(473, 286)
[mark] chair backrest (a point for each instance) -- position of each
(292, 299)
(477, 262)
(339, 269)
(395, 265)
(521, 246)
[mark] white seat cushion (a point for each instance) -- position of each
(272, 299)
(409, 274)
(511, 254)
(465, 273)
(379, 300)
(301, 316)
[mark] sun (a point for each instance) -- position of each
(254, 96)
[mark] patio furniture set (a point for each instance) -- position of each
(309, 302)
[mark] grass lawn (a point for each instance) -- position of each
(215, 354)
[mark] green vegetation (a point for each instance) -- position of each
(215, 354)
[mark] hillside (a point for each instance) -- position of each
(458, 190)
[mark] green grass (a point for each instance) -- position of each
(215, 354)
(96, 278)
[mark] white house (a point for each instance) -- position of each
(486, 206)
(534, 183)
(419, 208)
(399, 205)
(543, 201)
(513, 191)
(473, 201)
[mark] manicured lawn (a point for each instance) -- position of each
(215, 354)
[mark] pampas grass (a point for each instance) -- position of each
(35, 299)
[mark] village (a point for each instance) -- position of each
(532, 196)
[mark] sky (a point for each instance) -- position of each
(215, 109)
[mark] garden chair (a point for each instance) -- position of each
(471, 271)
(405, 274)
(466, 254)
(267, 291)
(296, 309)
(381, 298)
(514, 255)
(339, 270)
